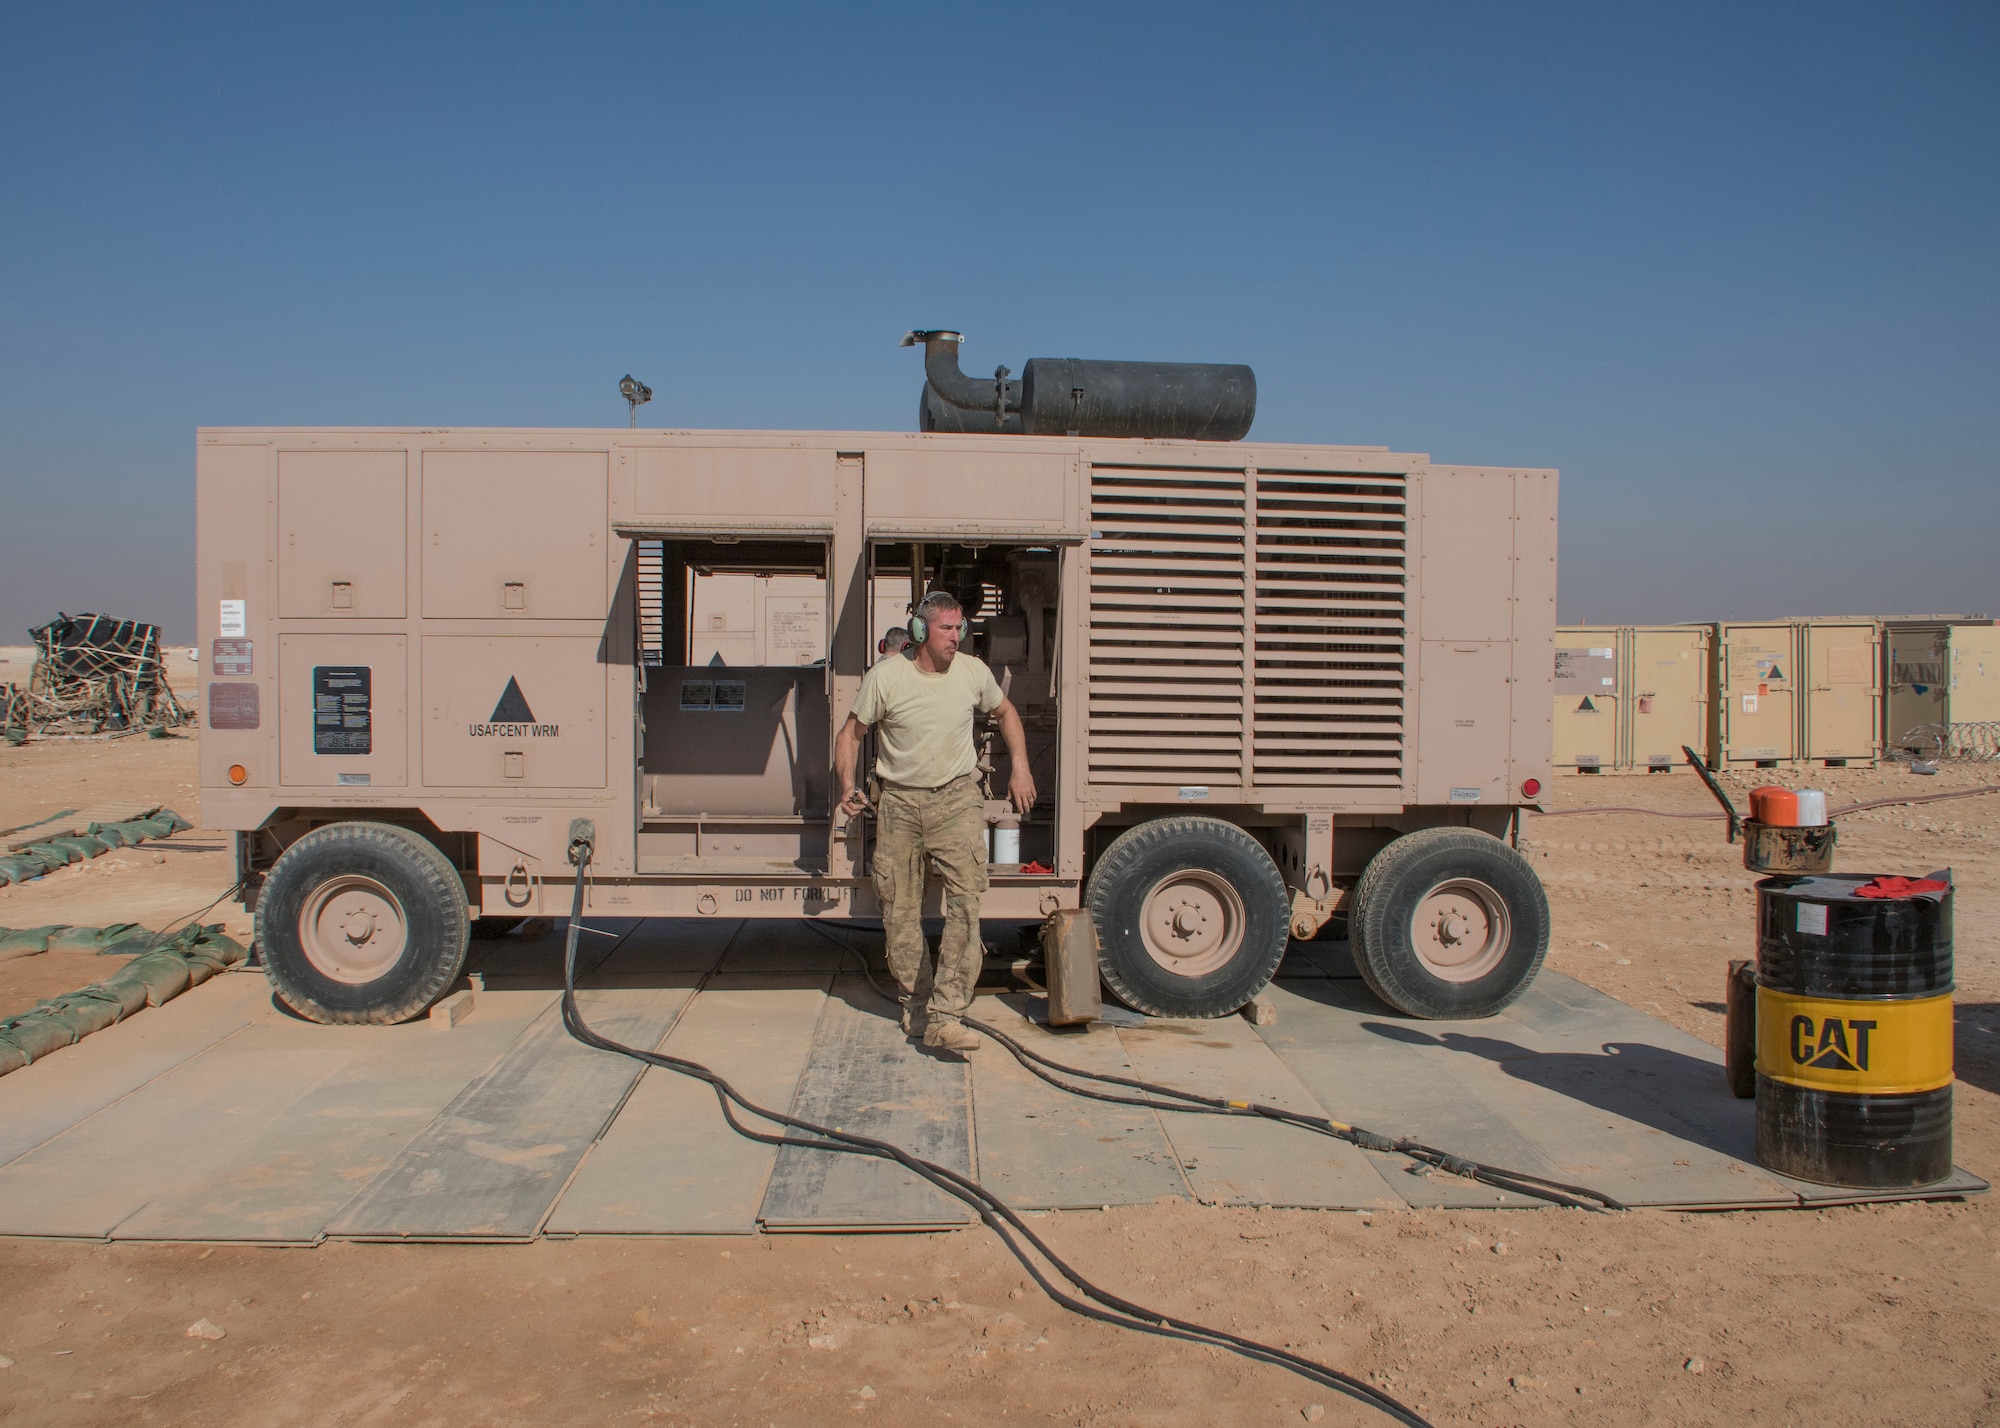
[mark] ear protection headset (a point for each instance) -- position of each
(920, 627)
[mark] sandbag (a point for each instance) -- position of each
(131, 946)
(18, 870)
(12, 1057)
(53, 855)
(84, 845)
(128, 829)
(86, 1011)
(37, 1033)
(129, 990)
(165, 973)
(108, 833)
(92, 939)
(27, 941)
(175, 823)
(214, 943)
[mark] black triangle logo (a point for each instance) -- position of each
(1586, 707)
(1831, 1060)
(1775, 675)
(513, 707)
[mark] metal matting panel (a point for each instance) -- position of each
(863, 1076)
(284, 1182)
(494, 1161)
(1041, 1148)
(40, 1102)
(1234, 1160)
(670, 1164)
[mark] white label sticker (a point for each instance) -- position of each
(1604, 654)
(1465, 795)
(1195, 790)
(355, 779)
(1812, 918)
(233, 620)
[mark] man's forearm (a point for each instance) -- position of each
(846, 753)
(1015, 735)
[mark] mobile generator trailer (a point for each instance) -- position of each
(1263, 685)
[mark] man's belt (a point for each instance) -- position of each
(919, 788)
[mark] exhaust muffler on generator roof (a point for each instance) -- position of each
(1068, 396)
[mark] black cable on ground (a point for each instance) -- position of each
(1534, 1187)
(1097, 1303)
(160, 936)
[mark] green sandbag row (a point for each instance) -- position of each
(187, 959)
(60, 937)
(51, 853)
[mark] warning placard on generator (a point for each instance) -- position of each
(1587, 671)
(341, 709)
(712, 696)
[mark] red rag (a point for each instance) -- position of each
(1035, 867)
(1900, 887)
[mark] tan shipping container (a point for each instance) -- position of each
(1669, 693)
(1755, 717)
(1841, 712)
(1938, 672)
(1589, 722)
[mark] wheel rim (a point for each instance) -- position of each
(1461, 930)
(1192, 922)
(352, 929)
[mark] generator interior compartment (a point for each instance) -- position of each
(735, 759)
(1011, 593)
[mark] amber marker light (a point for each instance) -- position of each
(1529, 787)
(237, 773)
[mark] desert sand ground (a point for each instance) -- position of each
(1872, 1315)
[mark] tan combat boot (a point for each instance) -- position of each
(913, 1018)
(951, 1036)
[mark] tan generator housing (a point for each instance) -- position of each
(426, 652)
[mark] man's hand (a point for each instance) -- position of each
(854, 802)
(1021, 788)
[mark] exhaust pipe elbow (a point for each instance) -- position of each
(940, 345)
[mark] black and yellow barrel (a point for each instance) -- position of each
(1854, 1033)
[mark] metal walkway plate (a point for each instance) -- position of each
(864, 1077)
(219, 1117)
(670, 1165)
(1041, 1148)
(492, 1164)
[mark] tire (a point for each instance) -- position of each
(1192, 916)
(1448, 924)
(362, 923)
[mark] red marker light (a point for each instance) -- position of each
(1530, 787)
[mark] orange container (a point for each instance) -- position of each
(1777, 807)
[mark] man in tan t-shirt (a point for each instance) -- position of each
(922, 703)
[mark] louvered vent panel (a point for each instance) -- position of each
(1331, 631)
(1167, 648)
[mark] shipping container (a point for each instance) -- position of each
(1840, 716)
(1938, 671)
(1629, 697)
(1589, 726)
(1669, 692)
(1755, 717)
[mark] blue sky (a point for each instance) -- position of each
(1732, 269)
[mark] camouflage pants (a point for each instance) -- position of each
(917, 828)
